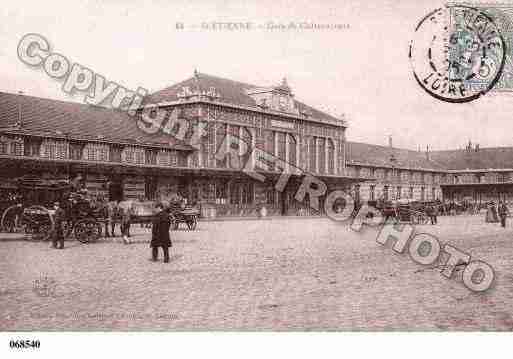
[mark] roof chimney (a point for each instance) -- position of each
(390, 141)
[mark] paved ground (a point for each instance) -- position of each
(300, 274)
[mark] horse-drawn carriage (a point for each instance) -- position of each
(404, 211)
(31, 211)
(33, 214)
(183, 214)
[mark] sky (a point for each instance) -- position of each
(361, 70)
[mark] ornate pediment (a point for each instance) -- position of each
(277, 98)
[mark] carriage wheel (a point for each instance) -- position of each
(192, 223)
(87, 230)
(11, 219)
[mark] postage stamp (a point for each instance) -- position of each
(462, 51)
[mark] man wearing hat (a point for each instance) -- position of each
(58, 219)
(160, 234)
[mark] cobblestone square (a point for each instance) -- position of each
(280, 274)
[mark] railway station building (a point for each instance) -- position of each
(118, 158)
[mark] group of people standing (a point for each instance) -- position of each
(114, 213)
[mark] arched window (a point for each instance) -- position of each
(322, 155)
(282, 146)
(331, 156)
(312, 152)
(292, 150)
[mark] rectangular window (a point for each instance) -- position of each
(385, 193)
(411, 192)
(4, 147)
(151, 156)
(50, 149)
(372, 195)
(139, 156)
(16, 148)
(91, 153)
(398, 192)
(129, 155)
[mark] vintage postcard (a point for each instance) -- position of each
(255, 166)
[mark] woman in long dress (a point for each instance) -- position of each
(491, 213)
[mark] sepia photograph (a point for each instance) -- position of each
(255, 166)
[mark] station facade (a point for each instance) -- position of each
(122, 157)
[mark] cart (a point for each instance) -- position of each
(183, 214)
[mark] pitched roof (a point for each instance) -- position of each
(375, 155)
(46, 117)
(232, 92)
(482, 158)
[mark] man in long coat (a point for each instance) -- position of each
(503, 213)
(160, 234)
(58, 219)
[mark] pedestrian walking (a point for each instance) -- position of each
(160, 234)
(503, 213)
(58, 219)
(126, 218)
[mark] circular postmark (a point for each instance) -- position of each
(457, 53)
